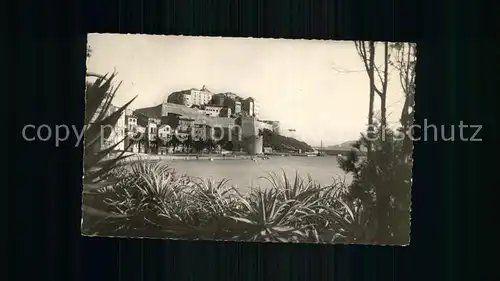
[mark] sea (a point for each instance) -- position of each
(244, 174)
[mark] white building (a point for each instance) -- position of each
(164, 131)
(117, 134)
(200, 97)
(264, 125)
(212, 110)
(271, 125)
(251, 106)
(256, 109)
(131, 123)
(191, 97)
(152, 128)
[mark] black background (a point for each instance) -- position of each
(45, 51)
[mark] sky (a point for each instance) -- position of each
(317, 87)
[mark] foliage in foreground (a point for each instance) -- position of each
(152, 200)
(381, 187)
(97, 161)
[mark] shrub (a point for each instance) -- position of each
(144, 191)
(98, 162)
(152, 200)
(381, 188)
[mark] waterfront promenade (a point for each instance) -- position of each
(218, 156)
(194, 156)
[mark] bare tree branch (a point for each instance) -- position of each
(405, 63)
(342, 70)
(361, 48)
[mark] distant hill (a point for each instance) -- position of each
(280, 143)
(347, 144)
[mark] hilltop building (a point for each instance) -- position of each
(218, 99)
(203, 113)
(230, 101)
(191, 97)
(232, 96)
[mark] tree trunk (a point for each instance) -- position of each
(382, 195)
(367, 54)
(383, 95)
(407, 78)
(371, 76)
(383, 235)
(373, 177)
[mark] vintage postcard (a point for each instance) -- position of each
(248, 139)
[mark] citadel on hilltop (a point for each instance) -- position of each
(200, 110)
(221, 104)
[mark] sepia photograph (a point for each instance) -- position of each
(248, 139)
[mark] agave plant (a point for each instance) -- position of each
(212, 205)
(98, 161)
(299, 189)
(350, 223)
(146, 191)
(265, 217)
(212, 197)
